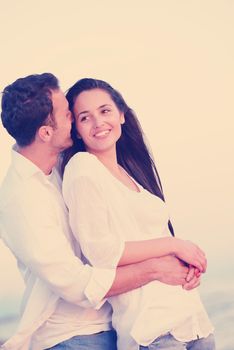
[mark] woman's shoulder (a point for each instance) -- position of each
(83, 164)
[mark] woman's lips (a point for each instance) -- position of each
(102, 133)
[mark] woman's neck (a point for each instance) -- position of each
(109, 159)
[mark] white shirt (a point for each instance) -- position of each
(59, 287)
(104, 214)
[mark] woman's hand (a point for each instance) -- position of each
(193, 278)
(190, 253)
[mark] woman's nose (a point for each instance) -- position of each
(98, 122)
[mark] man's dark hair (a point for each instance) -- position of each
(27, 105)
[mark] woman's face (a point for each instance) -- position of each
(98, 120)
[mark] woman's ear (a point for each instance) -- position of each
(122, 118)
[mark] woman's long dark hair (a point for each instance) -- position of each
(132, 152)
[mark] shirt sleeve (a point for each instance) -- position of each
(31, 229)
(92, 223)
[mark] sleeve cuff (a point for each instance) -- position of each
(99, 284)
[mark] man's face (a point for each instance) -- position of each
(61, 138)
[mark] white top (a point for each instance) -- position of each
(104, 214)
(61, 291)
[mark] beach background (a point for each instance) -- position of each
(173, 62)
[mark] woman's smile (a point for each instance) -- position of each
(102, 133)
(98, 120)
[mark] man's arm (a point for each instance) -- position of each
(34, 234)
(104, 247)
(168, 269)
(32, 229)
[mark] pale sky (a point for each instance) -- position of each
(173, 63)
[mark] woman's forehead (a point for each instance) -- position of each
(92, 99)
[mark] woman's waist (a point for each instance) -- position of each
(156, 295)
(161, 307)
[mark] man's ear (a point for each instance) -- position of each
(45, 133)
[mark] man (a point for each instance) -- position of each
(64, 301)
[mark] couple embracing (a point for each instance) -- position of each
(83, 211)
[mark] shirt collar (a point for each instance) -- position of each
(24, 166)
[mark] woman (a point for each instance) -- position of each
(118, 213)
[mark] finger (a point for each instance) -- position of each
(201, 262)
(202, 259)
(192, 284)
(205, 264)
(197, 273)
(198, 264)
(190, 274)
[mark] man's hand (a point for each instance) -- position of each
(173, 271)
(170, 270)
(167, 269)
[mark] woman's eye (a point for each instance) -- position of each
(84, 118)
(105, 111)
